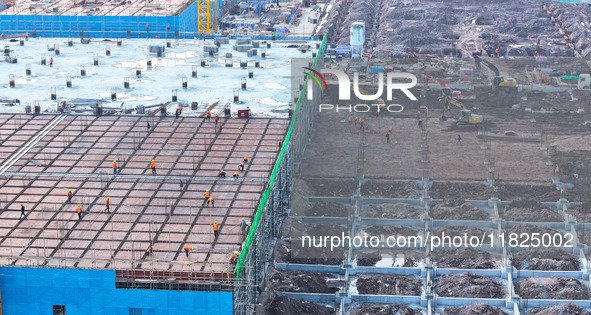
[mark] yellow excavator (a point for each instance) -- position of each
(465, 115)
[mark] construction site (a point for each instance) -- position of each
(467, 192)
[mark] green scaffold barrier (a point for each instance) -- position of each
(261, 207)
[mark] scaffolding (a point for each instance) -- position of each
(258, 247)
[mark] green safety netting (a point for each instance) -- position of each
(261, 207)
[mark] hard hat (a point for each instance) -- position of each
(69, 189)
(242, 219)
(21, 204)
(237, 253)
(216, 221)
(207, 190)
(222, 170)
(152, 160)
(191, 248)
(235, 173)
(108, 197)
(245, 157)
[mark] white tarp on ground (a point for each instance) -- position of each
(267, 92)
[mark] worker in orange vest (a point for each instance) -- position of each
(349, 119)
(497, 52)
(210, 200)
(217, 117)
(69, 196)
(234, 258)
(153, 164)
(107, 204)
(150, 250)
(207, 194)
(51, 62)
(187, 250)
(241, 167)
(216, 231)
(114, 167)
(222, 173)
(79, 211)
(355, 122)
(208, 115)
(27, 36)
(235, 175)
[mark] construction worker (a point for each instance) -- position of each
(108, 204)
(243, 226)
(221, 127)
(245, 160)
(27, 36)
(222, 173)
(176, 113)
(208, 115)
(207, 194)
(361, 121)
(497, 52)
(216, 229)
(187, 250)
(349, 119)
(390, 130)
(150, 250)
(241, 167)
(234, 258)
(153, 164)
(79, 211)
(387, 138)
(420, 123)
(355, 121)
(114, 167)
(235, 175)
(217, 118)
(23, 214)
(51, 63)
(418, 115)
(69, 196)
(148, 126)
(459, 140)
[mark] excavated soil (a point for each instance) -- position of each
(389, 285)
(528, 229)
(411, 257)
(585, 237)
(552, 288)
(385, 231)
(478, 308)
(469, 285)
(466, 258)
(379, 189)
(326, 187)
(545, 259)
(460, 230)
(457, 210)
(583, 213)
(289, 281)
(380, 309)
(530, 211)
(392, 211)
(560, 309)
(298, 229)
(276, 304)
(465, 191)
(284, 252)
(328, 209)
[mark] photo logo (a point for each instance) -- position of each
(345, 84)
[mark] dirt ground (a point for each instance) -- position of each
(392, 211)
(328, 209)
(460, 230)
(389, 189)
(530, 211)
(469, 285)
(385, 231)
(381, 309)
(466, 258)
(560, 309)
(463, 191)
(478, 308)
(284, 252)
(545, 259)
(272, 304)
(389, 285)
(552, 288)
(450, 209)
(411, 257)
(309, 282)
(529, 229)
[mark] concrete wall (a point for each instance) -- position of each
(34, 291)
